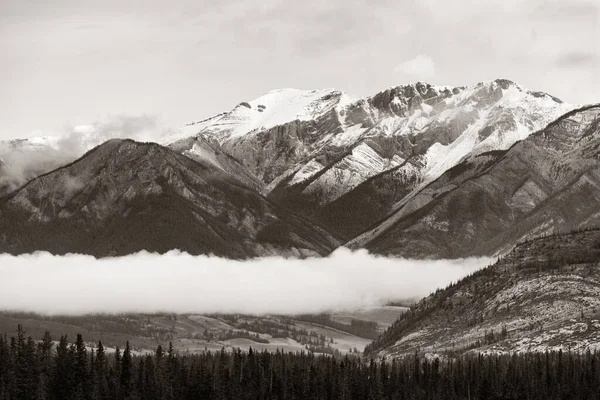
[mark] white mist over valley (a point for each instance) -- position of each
(180, 283)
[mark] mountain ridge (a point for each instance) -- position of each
(353, 166)
(103, 203)
(477, 172)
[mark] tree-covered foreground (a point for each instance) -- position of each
(44, 369)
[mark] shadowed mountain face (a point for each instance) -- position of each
(542, 296)
(125, 196)
(549, 181)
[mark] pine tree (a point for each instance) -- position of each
(171, 387)
(140, 382)
(126, 372)
(22, 370)
(5, 367)
(115, 375)
(101, 371)
(81, 373)
(32, 376)
(62, 374)
(45, 361)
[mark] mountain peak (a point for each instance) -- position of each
(359, 167)
(126, 196)
(504, 83)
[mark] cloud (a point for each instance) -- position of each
(565, 10)
(576, 59)
(309, 30)
(420, 67)
(25, 159)
(178, 282)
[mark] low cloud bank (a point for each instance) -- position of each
(25, 159)
(181, 283)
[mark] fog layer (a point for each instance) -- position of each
(178, 282)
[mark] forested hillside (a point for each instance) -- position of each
(45, 370)
(544, 295)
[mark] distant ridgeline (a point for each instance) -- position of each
(43, 370)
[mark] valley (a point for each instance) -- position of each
(335, 334)
(415, 171)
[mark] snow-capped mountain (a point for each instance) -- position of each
(274, 108)
(486, 204)
(378, 172)
(442, 124)
(313, 149)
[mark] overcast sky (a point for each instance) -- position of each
(71, 62)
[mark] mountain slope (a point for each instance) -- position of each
(544, 295)
(547, 182)
(125, 196)
(315, 148)
(416, 170)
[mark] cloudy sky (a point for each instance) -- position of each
(70, 62)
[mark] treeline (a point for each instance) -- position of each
(557, 233)
(125, 324)
(68, 371)
(231, 334)
(357, 327)
(282, 329)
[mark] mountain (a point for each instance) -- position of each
(210, 153)
(541, 296)
(414, 171)
(328, 155)
(550, 181)
(124, 196)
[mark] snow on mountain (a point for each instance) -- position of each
(362, 163)
(311, 148)
(550, 181)
(324, 153)
(274, 108)
(494, 115)
(292, 135)
(517, 114)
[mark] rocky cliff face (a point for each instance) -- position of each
(125, 196)
(544, 295)
(316, 151)
(484, 205)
